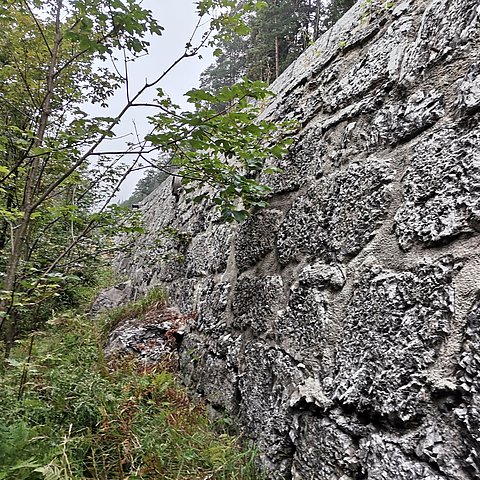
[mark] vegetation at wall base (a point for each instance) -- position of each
(65, 415)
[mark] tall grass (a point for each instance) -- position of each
(65, 415)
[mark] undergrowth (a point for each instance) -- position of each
(155, 297)
(65, 415)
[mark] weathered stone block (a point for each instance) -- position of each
(256, 302)
(383, 459)
(441, 189)
(469, 384)
(256, 238)
(395, 325)
(208, 252)
(212, 307)
(302, 328)
(469, 89)
(323, 451)
(400, 122)
(266, 379)
(338, 215)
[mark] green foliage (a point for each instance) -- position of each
(337, 8)
(154, 298)
(229, 67)
(51, 239)
(277, 34)
(57, 220)
(223, 150)
(76, 419)
(153, 177)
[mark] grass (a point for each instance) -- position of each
(65, 415)
(156, 297)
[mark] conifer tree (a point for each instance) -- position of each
(279, 33)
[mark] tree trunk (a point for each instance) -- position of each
(21, 229)
(316, 26)
(277, 57)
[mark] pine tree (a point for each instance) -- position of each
(336, 9)
(279, 33)
(230, 66)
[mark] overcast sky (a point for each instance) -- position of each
(179, 18)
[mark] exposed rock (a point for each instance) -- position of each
(469, 383)
(256, 238)
(112, 297)
(153, 338)
(469, 89)
(340, 326)
(256, 302)
(338, 215)
(400, 122)
(316, 456)
(442, 189)
(382, 358)
(268, 373)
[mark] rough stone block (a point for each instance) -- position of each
(302, 328)
(323, 451)
(256, 238)
(441, 189)
(383, 460)
(208, 252)
(395, 324)
(256, 302)
(266, 382)
(400, 122)
(469, 384)
(469, 90)
(338, 215)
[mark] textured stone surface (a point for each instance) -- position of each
(382, 358)
(316, 456)
(151, 339)
(399, 122)
(256, 302)
(268, 373)
(112, 297)
(338, 215)
(442, 189)
(469, 89)
(340, 326)
(469, 383)
(256, 238)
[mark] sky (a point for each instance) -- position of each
(179, 18)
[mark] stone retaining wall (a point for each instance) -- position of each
(340, 326)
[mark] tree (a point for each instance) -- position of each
(154, 176)
(337, 9)
(48, 54)
(279, 33)
(230, 65)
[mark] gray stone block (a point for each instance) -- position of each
(338, 215)
(395, 326)
(441, 189)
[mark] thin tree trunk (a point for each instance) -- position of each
(4, 230)
(316, 26)
(277, 57)
(21, 229)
